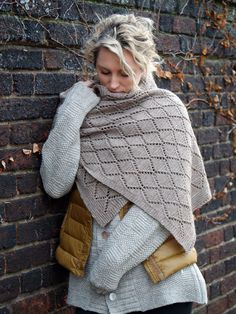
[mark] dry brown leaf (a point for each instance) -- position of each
(207, 71)
(36, 148)
(190, 85)
(230, 113)
(204, 51)
(3, 164)
(219, 195)
(11, 159)
(216, 99)
(202, 60)
(217, 88)
(27, 152)
(227, 79)
(163, 74)
(180, 76)
(168, 75)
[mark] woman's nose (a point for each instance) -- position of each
(114, 83)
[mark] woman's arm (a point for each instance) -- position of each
(136, 237)
(61, 151)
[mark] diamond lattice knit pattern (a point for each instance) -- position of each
(141, 147)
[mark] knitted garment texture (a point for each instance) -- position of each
(140, 146)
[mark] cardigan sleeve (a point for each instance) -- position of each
(135, 238)
(61, 151)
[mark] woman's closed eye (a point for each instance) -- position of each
(124, 74)
(105, 72)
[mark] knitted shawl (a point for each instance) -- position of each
(140, 146)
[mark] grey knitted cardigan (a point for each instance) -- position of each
(140, 146)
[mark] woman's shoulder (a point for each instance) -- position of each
(76, 86)
(166, 93)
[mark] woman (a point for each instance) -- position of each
(124, 141)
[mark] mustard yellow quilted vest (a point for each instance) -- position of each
(76, 238)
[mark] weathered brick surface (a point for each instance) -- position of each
(23, 31)
(21, 59)
(39, 230)
(34, 132)
(70, 35)
(42, 303)
(184, 25)
(30, 281)
(27, 183)
(6, 84)
(39, 58)
(53, 83)
(33, 256)
(4, 134)
(8, 237)
(23, 84)
(9, 288)
(2, 265)
(7, 186)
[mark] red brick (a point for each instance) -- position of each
(27, 183)
(167, 43)
(223, 150)
(22, 59)
(207, 136)
(19, 209)
(7, 236)
(53, 83)
(203, 259)
(220, 120)
(9, 288)
(228, 249)
(60, 296)
(4, 135)
(218, 306)
(23, 83)
(6, 84)
(233, 165)
(42, 229)
(184, 25)
(213, 238)
(53, 59)
(16, 30)
(232, 298)
(214, 272)
(67, 34)
(53, 274)
(224, 167)
(7, 185)
(228, 233)
(228, 284)
(42, 304)
(13, 109)
(33, 256)
(230, 264)
(214, 255)
(2, 266)
(31, 281)
(215, 290)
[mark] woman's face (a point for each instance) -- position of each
(111, 74)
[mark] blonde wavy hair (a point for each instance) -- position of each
(118, 32)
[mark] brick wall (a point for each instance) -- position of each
(40, 56)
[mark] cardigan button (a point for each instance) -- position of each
(112, 296)
(105, 235)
